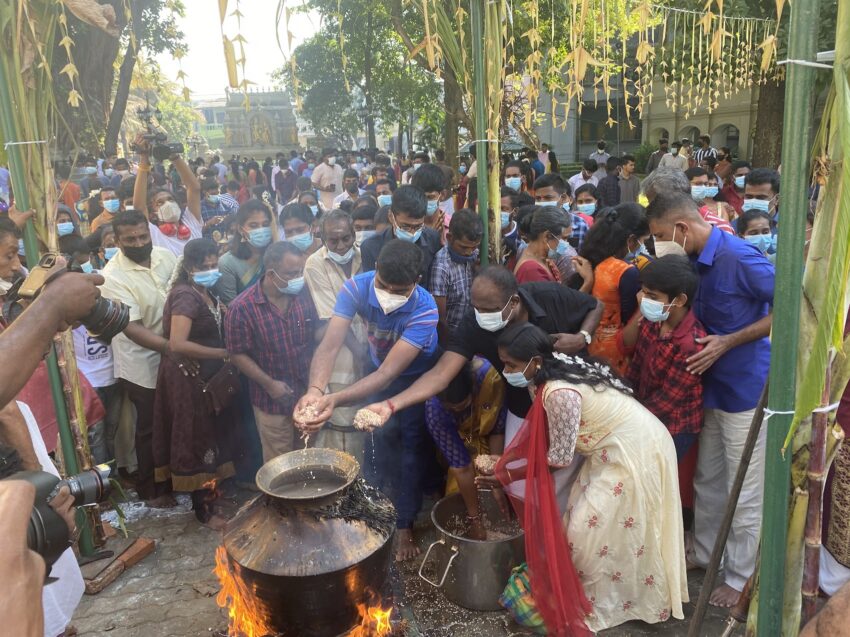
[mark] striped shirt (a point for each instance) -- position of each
(415, 322)
(280, 343)
(453, 280)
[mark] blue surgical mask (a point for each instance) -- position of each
(64, 228)
(404, 235)
(755, 204)
(260, 237)
(91, 170)
(740, 182)
(86, 267)
(762, 241)
(560, 250)
(342, 259)
(362, 235)
(293, 286)
(301, 241)
(586, 208)
(654, 310)
(206, 279)
(514, 182)
(214, 199)
(697, 193)
(517, 379)
(462, 170)
(506, 219)
(109, 172)
(641, 250)
(112, 205)
(385, 200)
(711, 192)
(21, 249)
(431, 209)
(311, 165)
(108, 253)
(546, 204)
(314, 209)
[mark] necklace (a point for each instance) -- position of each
(214, 306)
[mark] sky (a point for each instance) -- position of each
(206, 74)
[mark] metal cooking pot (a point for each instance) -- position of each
(474, 573)
(310, 560)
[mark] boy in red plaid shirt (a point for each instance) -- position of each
(660, 345)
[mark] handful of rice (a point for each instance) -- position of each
(367, 420)
(486, 464)
(307, 413)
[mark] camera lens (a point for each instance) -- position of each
(107, 319)
(90, 487)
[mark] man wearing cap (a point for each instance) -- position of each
(327, 178)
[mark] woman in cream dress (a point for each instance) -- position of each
(623, 523)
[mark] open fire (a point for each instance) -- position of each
(246, 617)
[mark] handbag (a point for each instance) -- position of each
(517, 600)
(222, 388)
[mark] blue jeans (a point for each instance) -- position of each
(397, 455)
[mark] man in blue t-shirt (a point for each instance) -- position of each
(734, 302)
(401, 324)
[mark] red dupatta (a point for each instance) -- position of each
(555, 584)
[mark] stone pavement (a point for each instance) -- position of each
(172, 593)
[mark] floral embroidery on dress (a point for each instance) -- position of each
(627, 605)
(592, 522)
(618, 489)
(603, 552)
(604, 456)
(617, 577)
(664, 615)
(640, 551)
(650, 580)
(629, 523)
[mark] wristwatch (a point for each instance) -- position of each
(587, 336)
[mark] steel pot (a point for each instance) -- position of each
(310, 561)
(471, 573)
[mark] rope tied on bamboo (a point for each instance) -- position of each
(814, 65)
(36, 141)
(820, 410)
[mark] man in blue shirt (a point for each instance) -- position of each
(733, 302)
(401, 325)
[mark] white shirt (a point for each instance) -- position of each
(94, 358)
(59, 599)
(175, 244)
(144, 291)
(670, 160)
(578, 180)
(601, 159)
(325, 175)
(345, 196)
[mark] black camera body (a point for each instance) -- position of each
(161, 148)
(106, 319)
(47, 533)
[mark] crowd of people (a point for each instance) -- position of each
(608, 360)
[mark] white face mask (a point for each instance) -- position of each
(493, 321)
(342, 259)
(331, 160)
(388, 301)
(663, 248)
(169, 212)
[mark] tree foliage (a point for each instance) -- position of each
(356, 66)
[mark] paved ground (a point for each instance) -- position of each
(172, 592)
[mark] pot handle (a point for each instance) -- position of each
(455, 553)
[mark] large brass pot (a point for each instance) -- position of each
(311, 560)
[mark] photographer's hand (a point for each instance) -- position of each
(63, 504)
(20, 590)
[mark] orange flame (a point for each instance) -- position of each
(375, 621)
(246, 616)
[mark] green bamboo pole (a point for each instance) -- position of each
(22, 202)
(476, 15)
(796, 144)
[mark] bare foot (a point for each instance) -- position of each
(405, 545)
(476, 530)
(724, 596)
(215, 522)
(166, 501)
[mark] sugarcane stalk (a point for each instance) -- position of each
(814, 514)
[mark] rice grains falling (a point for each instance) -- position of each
(486, 464)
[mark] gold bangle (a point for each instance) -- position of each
(143, 169)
